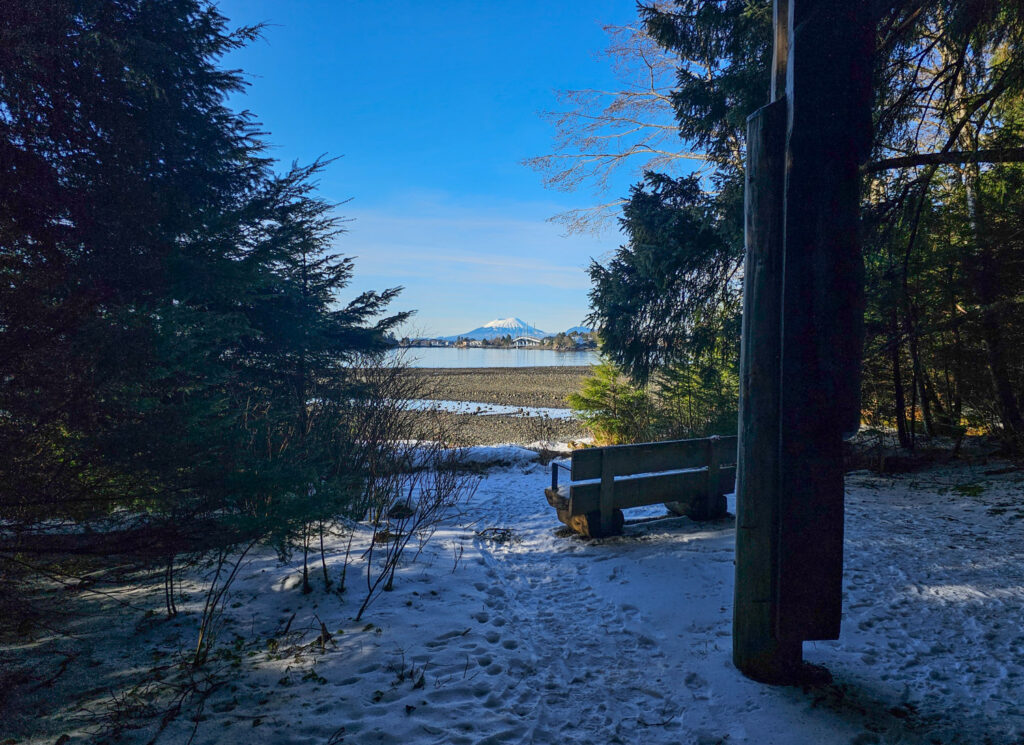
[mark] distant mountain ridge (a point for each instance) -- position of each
(500, 327)
(511, 326)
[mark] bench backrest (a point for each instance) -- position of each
(624, 476)
(652, 457)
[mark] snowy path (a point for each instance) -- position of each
(530, 636)
(626, 639)
(616, 640)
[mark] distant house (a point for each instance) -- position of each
(526, 341)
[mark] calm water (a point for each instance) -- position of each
(479, 357)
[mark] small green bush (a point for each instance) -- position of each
(685, 400)
(613, 408)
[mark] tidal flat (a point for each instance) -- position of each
(507, 386)
(510, 386)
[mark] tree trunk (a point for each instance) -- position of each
(920, 376)
(899, 399)
(1006, 399)
(985, 280)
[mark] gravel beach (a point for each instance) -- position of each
(509, 386)
(493, 429)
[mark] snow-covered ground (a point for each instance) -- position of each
(505, 630)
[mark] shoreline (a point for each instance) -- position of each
(468, 430)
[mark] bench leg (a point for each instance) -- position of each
(699, 508)
(605, 524)
(590, 524)
(708, 507)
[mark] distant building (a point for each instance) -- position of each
(526, 341)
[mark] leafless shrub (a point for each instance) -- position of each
(416, 478)
(225, 571)
(410, 505)
(403, 479)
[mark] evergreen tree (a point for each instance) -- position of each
(939, 201)
(671, 293)
(167, 310)
(669, 300)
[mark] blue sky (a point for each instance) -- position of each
(431, 107)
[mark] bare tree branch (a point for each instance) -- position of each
(997, 155)
(600, 132)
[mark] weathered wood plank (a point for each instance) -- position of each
(627, 460)
(756, 651)
(646, 490)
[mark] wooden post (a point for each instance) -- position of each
(756, 649)
(780, 48)
(801, 328)
(706, 506)
(607, 495)
(829, 101)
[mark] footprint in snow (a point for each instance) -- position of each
(694, 681)
(445, 638)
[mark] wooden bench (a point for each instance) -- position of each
(691, 477)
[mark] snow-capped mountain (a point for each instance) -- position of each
(499, 327)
